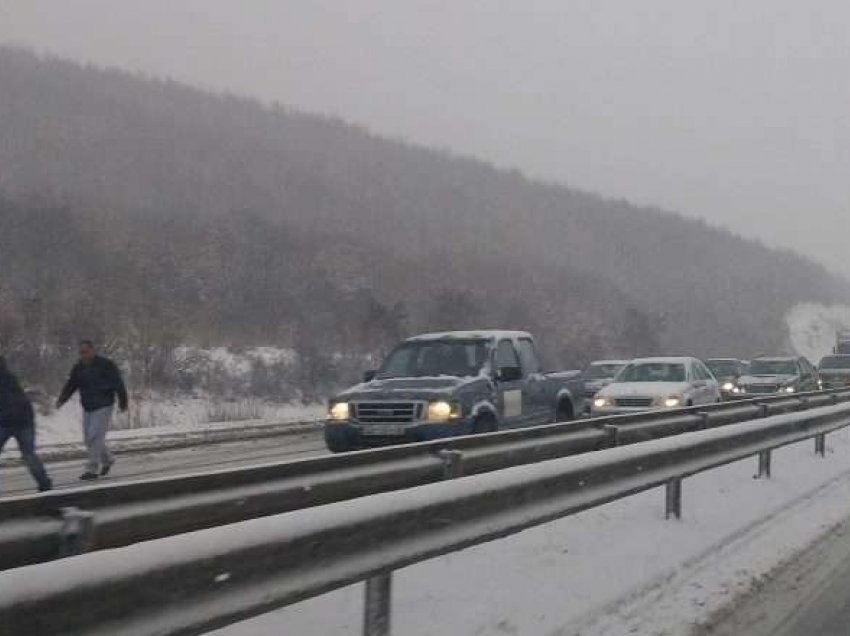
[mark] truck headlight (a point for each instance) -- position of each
(672, 402)
(443, 411)
(790, 389)
(339, 412)
(601, 402)
(728, 387)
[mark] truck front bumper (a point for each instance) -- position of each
(348, 436)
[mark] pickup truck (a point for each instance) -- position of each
(449, 384)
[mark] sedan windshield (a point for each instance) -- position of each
(773, 367)
(426, 358)
(653, 372)
(835, 362)
(724, 368)
(602, 371)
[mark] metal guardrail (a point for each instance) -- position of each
(40, 528)
(190, 584)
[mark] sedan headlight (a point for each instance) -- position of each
(443, 411)
(339, 412)
(729, 386)
(789, 389)
(673, 401)
(601, 402)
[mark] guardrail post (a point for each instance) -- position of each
(611, 435)
(820, 444)
(765, 409)
(378, 603)
(452, 463)
(673, 498)
(703, 415)
(77, 533)
(764, 465)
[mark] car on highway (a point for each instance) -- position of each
(834, 372)
(727, 371)
(657, 383)
(448, 384)
(599, 374)
(778, 374)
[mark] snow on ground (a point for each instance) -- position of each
(618, 569)
(812, 328)
(161, 416)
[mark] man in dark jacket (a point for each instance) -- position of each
(99, 382)
(17, 420)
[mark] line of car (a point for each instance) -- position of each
(467, 382)
(614, 387)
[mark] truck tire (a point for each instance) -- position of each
(564, 412)
(485, 423)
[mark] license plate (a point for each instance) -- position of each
(382, 429)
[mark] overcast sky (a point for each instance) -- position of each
(736, 112)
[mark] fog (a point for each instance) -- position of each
(732, 112)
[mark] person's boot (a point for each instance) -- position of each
(88, 476)
(104, 470)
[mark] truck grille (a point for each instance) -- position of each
(634, 402)
(387, 412)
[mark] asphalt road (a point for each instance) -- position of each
(810, 596)
(15, 480)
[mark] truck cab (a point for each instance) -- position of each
(448, 384)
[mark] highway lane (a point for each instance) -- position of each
(808, 596)
(15, 480)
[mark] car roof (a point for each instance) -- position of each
(775, 358)
(484, 334)
(723, 360)
(601, 362)
(668, 360)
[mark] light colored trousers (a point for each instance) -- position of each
(95, 425)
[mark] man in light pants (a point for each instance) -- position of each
(99, 382)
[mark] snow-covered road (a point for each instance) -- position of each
(14, 480)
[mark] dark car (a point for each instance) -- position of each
(835, 372)
(598, 375)
(450, 384)
(779, 374)
(728, 372)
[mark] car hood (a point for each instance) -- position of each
(425, 388)
(835, 373)
(597, 384)
(644, 389)
(756, 380)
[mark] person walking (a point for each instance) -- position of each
(99, 382)
(17, 420)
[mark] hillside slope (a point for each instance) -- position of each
(254, 224)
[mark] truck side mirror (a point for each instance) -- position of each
(509, 374)
(368, 376)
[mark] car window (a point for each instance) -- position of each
(706, 374)
(506, 355)
(696, 372)
(528, 356)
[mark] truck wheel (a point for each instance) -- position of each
(564, 412)
(484, 424)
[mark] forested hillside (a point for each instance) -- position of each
(152, 215)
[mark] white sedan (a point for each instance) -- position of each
(648, 384)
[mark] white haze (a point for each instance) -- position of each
(733, 112)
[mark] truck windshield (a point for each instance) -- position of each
(652, 372)
(602, 371)
(773, 367)
(835, 362)
(425, 358)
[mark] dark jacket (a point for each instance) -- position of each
(98, 383)
(15, 407)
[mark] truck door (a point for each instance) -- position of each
(540, 411)
(510, 384)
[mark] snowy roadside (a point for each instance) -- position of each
(618, 569)
(59, 434)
